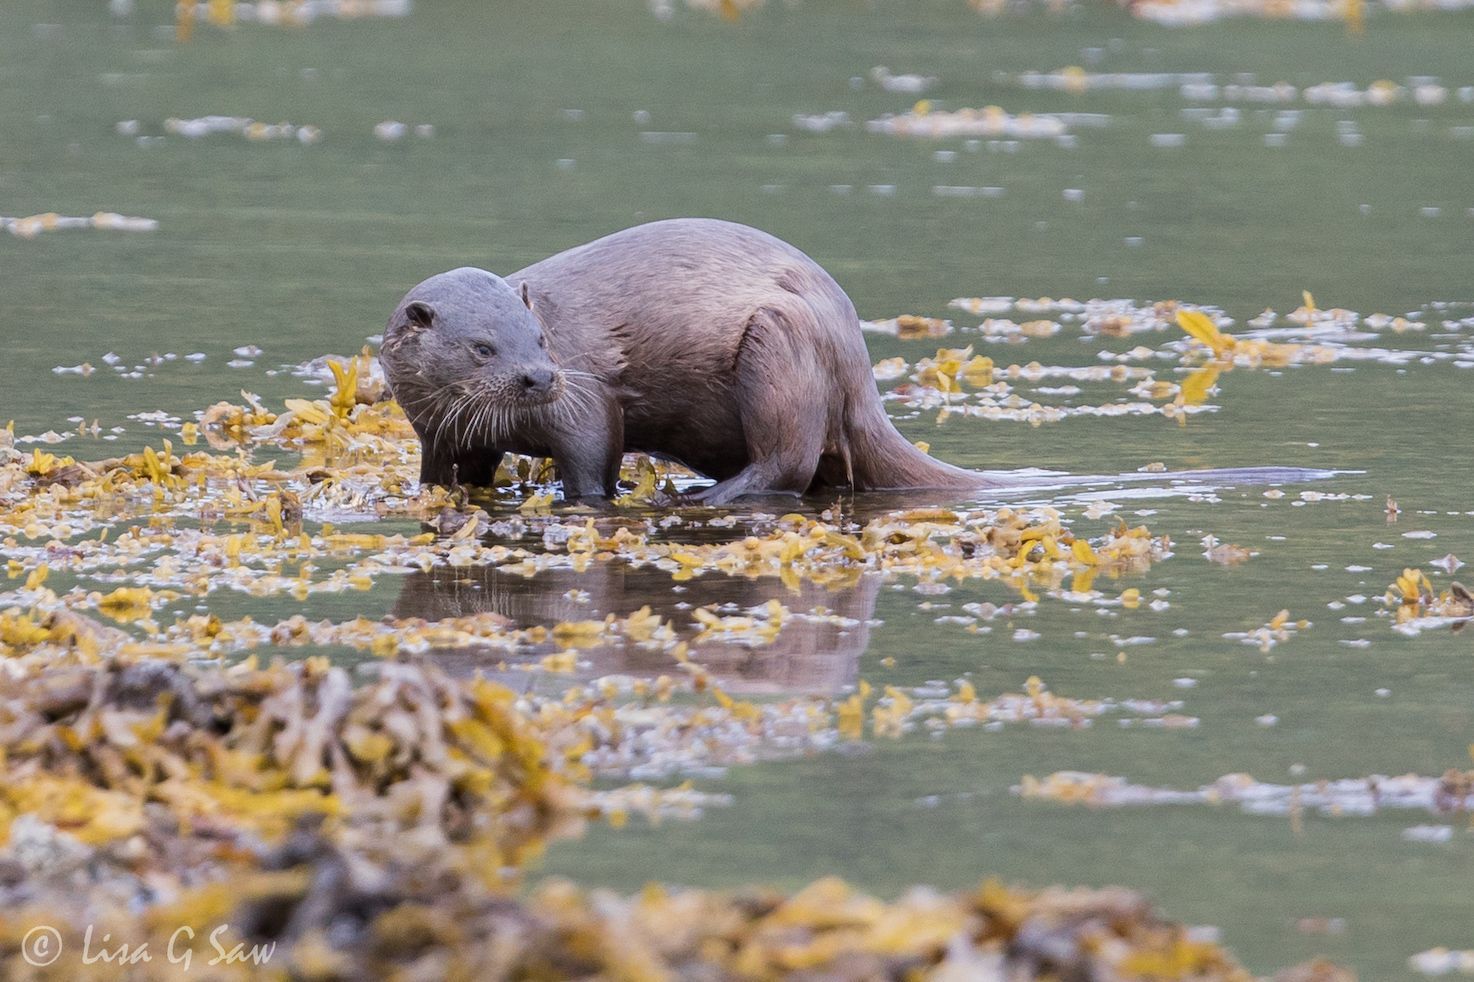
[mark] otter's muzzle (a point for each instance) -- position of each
(538, 381)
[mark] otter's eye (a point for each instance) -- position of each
(484, 350)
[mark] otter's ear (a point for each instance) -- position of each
(419, 315)
(526, 295)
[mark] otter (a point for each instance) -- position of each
(700, 341)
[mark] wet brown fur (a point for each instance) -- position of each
(705, 342)
(702, 341)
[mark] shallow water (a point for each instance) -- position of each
(304, 249)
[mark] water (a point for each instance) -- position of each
(303, 249)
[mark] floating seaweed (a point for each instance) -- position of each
(991, 121)
(1449, 793)
(273, 13)
(33, 225)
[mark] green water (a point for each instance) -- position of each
(304, 249)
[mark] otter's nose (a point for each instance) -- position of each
(538, 380)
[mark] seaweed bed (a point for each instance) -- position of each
(309, 819)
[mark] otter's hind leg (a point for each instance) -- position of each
(784, 414)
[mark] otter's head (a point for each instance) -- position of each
(465, 344)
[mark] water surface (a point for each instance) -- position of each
(543, 116)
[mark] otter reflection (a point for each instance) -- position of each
(810, 654)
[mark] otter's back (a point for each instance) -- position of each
(675, 293)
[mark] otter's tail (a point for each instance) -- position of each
(884, 460)
(881, 459)
(1215, 476)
